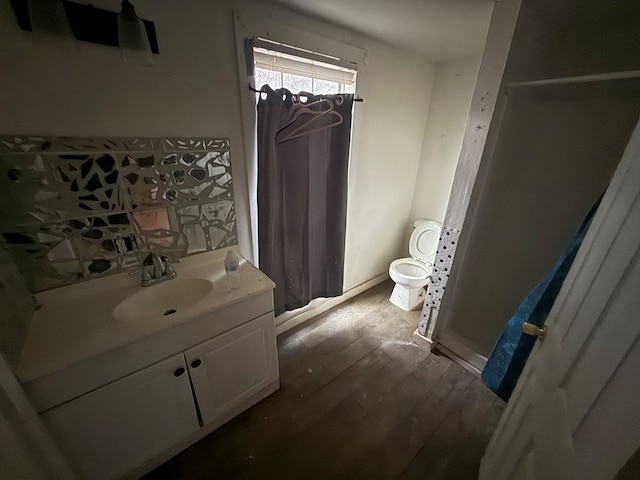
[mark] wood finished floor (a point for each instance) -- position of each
(358, 400)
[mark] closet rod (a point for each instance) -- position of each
(355, 99)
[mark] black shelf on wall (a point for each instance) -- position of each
(88, 23)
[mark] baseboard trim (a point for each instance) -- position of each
(461, 354)
(288, 320)
(421, 340)
(460, 361)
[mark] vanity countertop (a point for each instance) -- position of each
(75, 323)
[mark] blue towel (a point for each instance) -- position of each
(511, 351)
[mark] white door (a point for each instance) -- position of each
(575, 413)
(233, 366)
(116, 428)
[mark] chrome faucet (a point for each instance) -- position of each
(162, 270)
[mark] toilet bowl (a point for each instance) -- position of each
(412, 274)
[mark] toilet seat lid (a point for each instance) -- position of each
(424, 241)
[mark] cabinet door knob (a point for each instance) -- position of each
(196, 363)
(178, 372)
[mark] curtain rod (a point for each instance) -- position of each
(355, 99)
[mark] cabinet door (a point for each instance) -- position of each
(116, 428)
(233, 366)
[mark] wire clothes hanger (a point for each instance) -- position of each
(320, 115)
(299, 108)
(307, 118)
(318, 122)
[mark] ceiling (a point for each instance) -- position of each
(439, 30)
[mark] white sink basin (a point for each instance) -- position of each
(163, 299)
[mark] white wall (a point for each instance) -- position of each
(16, 308)
(387, 140)
(26, 448)
(448, 113)
(19, 461)
(50, 86)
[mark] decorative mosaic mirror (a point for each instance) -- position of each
(80, 208)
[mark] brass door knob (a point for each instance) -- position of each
(531, 329)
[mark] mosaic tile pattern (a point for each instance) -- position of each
(439, 278)
(44, 187)
(80, 208)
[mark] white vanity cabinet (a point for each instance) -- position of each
(115, 429)
(233, 367)
(123, 396)
(109, 431)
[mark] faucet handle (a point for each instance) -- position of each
(152, 257)
(157, 262)
(159, 268)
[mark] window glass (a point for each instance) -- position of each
(268, 77)
(281, 70)
(324, 86)
(297, 83)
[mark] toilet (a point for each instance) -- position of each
(412, 274)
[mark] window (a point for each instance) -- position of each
(297, 73)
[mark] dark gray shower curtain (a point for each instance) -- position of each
(303, 159)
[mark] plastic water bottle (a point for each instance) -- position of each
(232, 267)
